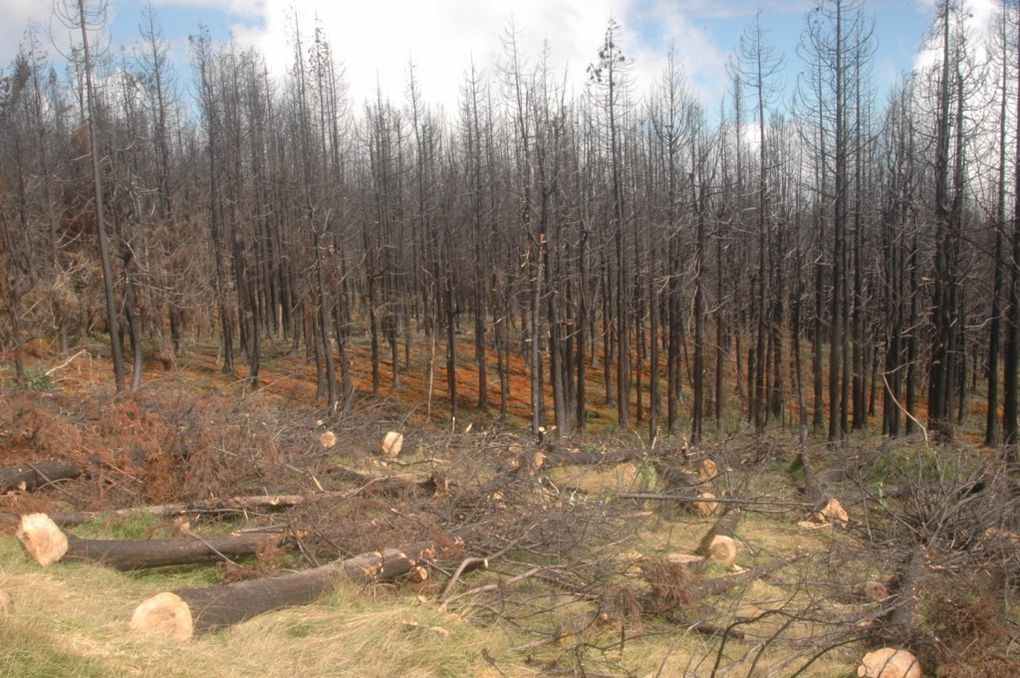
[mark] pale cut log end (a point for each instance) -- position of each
(708, 471)
(874, 591)
(327, 440)
(889, 662)
(42, 539)
(165, 616)
(706, 507)
(392, 444)
(723, 550)
(833, 512)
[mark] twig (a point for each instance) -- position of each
(466, 563)
(66, 362)
(495, 587)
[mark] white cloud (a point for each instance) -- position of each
(979, 22)
(375, 40)
(17, 15)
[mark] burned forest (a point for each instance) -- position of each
(581, 373)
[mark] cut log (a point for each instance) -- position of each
(276, 502)
(871, 591)
(392, 443)
(902, 625)
(29, 477)
(392, 486)
(136, 555)
(720, 543)
(713, 587)
(813, 487)
(42, 539)
(724, 527)
(180, 614)
(675, 477)
(889, 662)
(708, 471)
(706, 505)
(47, 544)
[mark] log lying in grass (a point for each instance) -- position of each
(681, 478)
(714, 587)
(273, 502)
(720, 543)
(676, 477)
(178, 615)
(814, 488)
(902, 620)
(29, 477)
(45, 543)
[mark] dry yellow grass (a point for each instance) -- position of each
(73, 621)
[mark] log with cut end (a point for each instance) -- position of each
(392, 443)
(719, 543)
(706, 504)
(392, 486)
(31, 476)
(902, 621)
(41, 538)
(47, 544)
(180, 614)
(676, 477)
(274, 502)
(713, 587)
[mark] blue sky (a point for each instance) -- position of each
(376, 38)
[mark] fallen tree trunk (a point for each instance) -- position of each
(29, 477)
(676, 477)
(390, 485)
(273, 502)
(902, 623)
(180, 614)
(724, 527)
(814, 488)
(720, 543)
(713, 587)
(45, 543)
